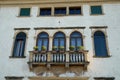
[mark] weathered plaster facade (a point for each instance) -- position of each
(11, 24)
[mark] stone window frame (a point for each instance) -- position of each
(104, 30)
(60, 29)
(82, 37)
(17, 31)
(37, 38)
(64, 38)
(96, 14)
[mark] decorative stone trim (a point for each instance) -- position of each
(17, 31)
(104, 30)
(21, 28)
(102, 57)
(17, 2)
(17, 57)
(37, 28)
(58, 78)
(97, 27)
(13, 77)
(105, 78)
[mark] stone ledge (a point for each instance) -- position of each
(58, 78)
(39, 28)
(13, 77)
(21, 28)
(18, 2)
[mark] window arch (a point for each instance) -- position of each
(59, 40)
(100, 44)
(76, 39)
(42, 40)
(19, 45)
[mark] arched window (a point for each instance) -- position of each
(76, 39)
(59, 40)
(19, 45)
(100, 44)
(42, 40)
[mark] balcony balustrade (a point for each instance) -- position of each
(39, 58)
(58, 57)
(50, 58)
(75, 57)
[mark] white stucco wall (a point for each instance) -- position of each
(98, 67)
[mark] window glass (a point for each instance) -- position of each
(59, 40)
(100, 44)
(59, 11)
(96, 10)
(75, 10)
(25, 12)
(45, 11)
(43, 40)
(76, 40)
(19, 45)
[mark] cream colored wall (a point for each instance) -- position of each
(98, 67)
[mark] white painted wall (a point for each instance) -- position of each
(98, 67)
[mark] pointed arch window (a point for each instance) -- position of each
(100, 44)
(76, 39)
(43, 40)
(59, 40)
(19, 45)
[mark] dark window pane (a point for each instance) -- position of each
(100, 44)
(45, 43)
(19, 45)
(59, 35)
(45, 11)
(79, 41)
(96, 10)
(43, 35)
(60, 11)
(25, 12)
(76, 34)
(72, 42)
(43, 40)
(75, 10)
(56, 43)
(62, 42)
(59, 40)
(76, 39)
(39, 44)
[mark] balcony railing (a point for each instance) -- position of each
(39, 57)
(58, 57)
(76, 57)
(67, 58)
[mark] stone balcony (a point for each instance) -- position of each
(65, 59)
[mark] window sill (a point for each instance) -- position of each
(23, 16)
(97, 14)
(75, 14)
(17, 57)
(13, 77)
(102, 56)
(60, 14)
(44, 15)
(99, 78)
